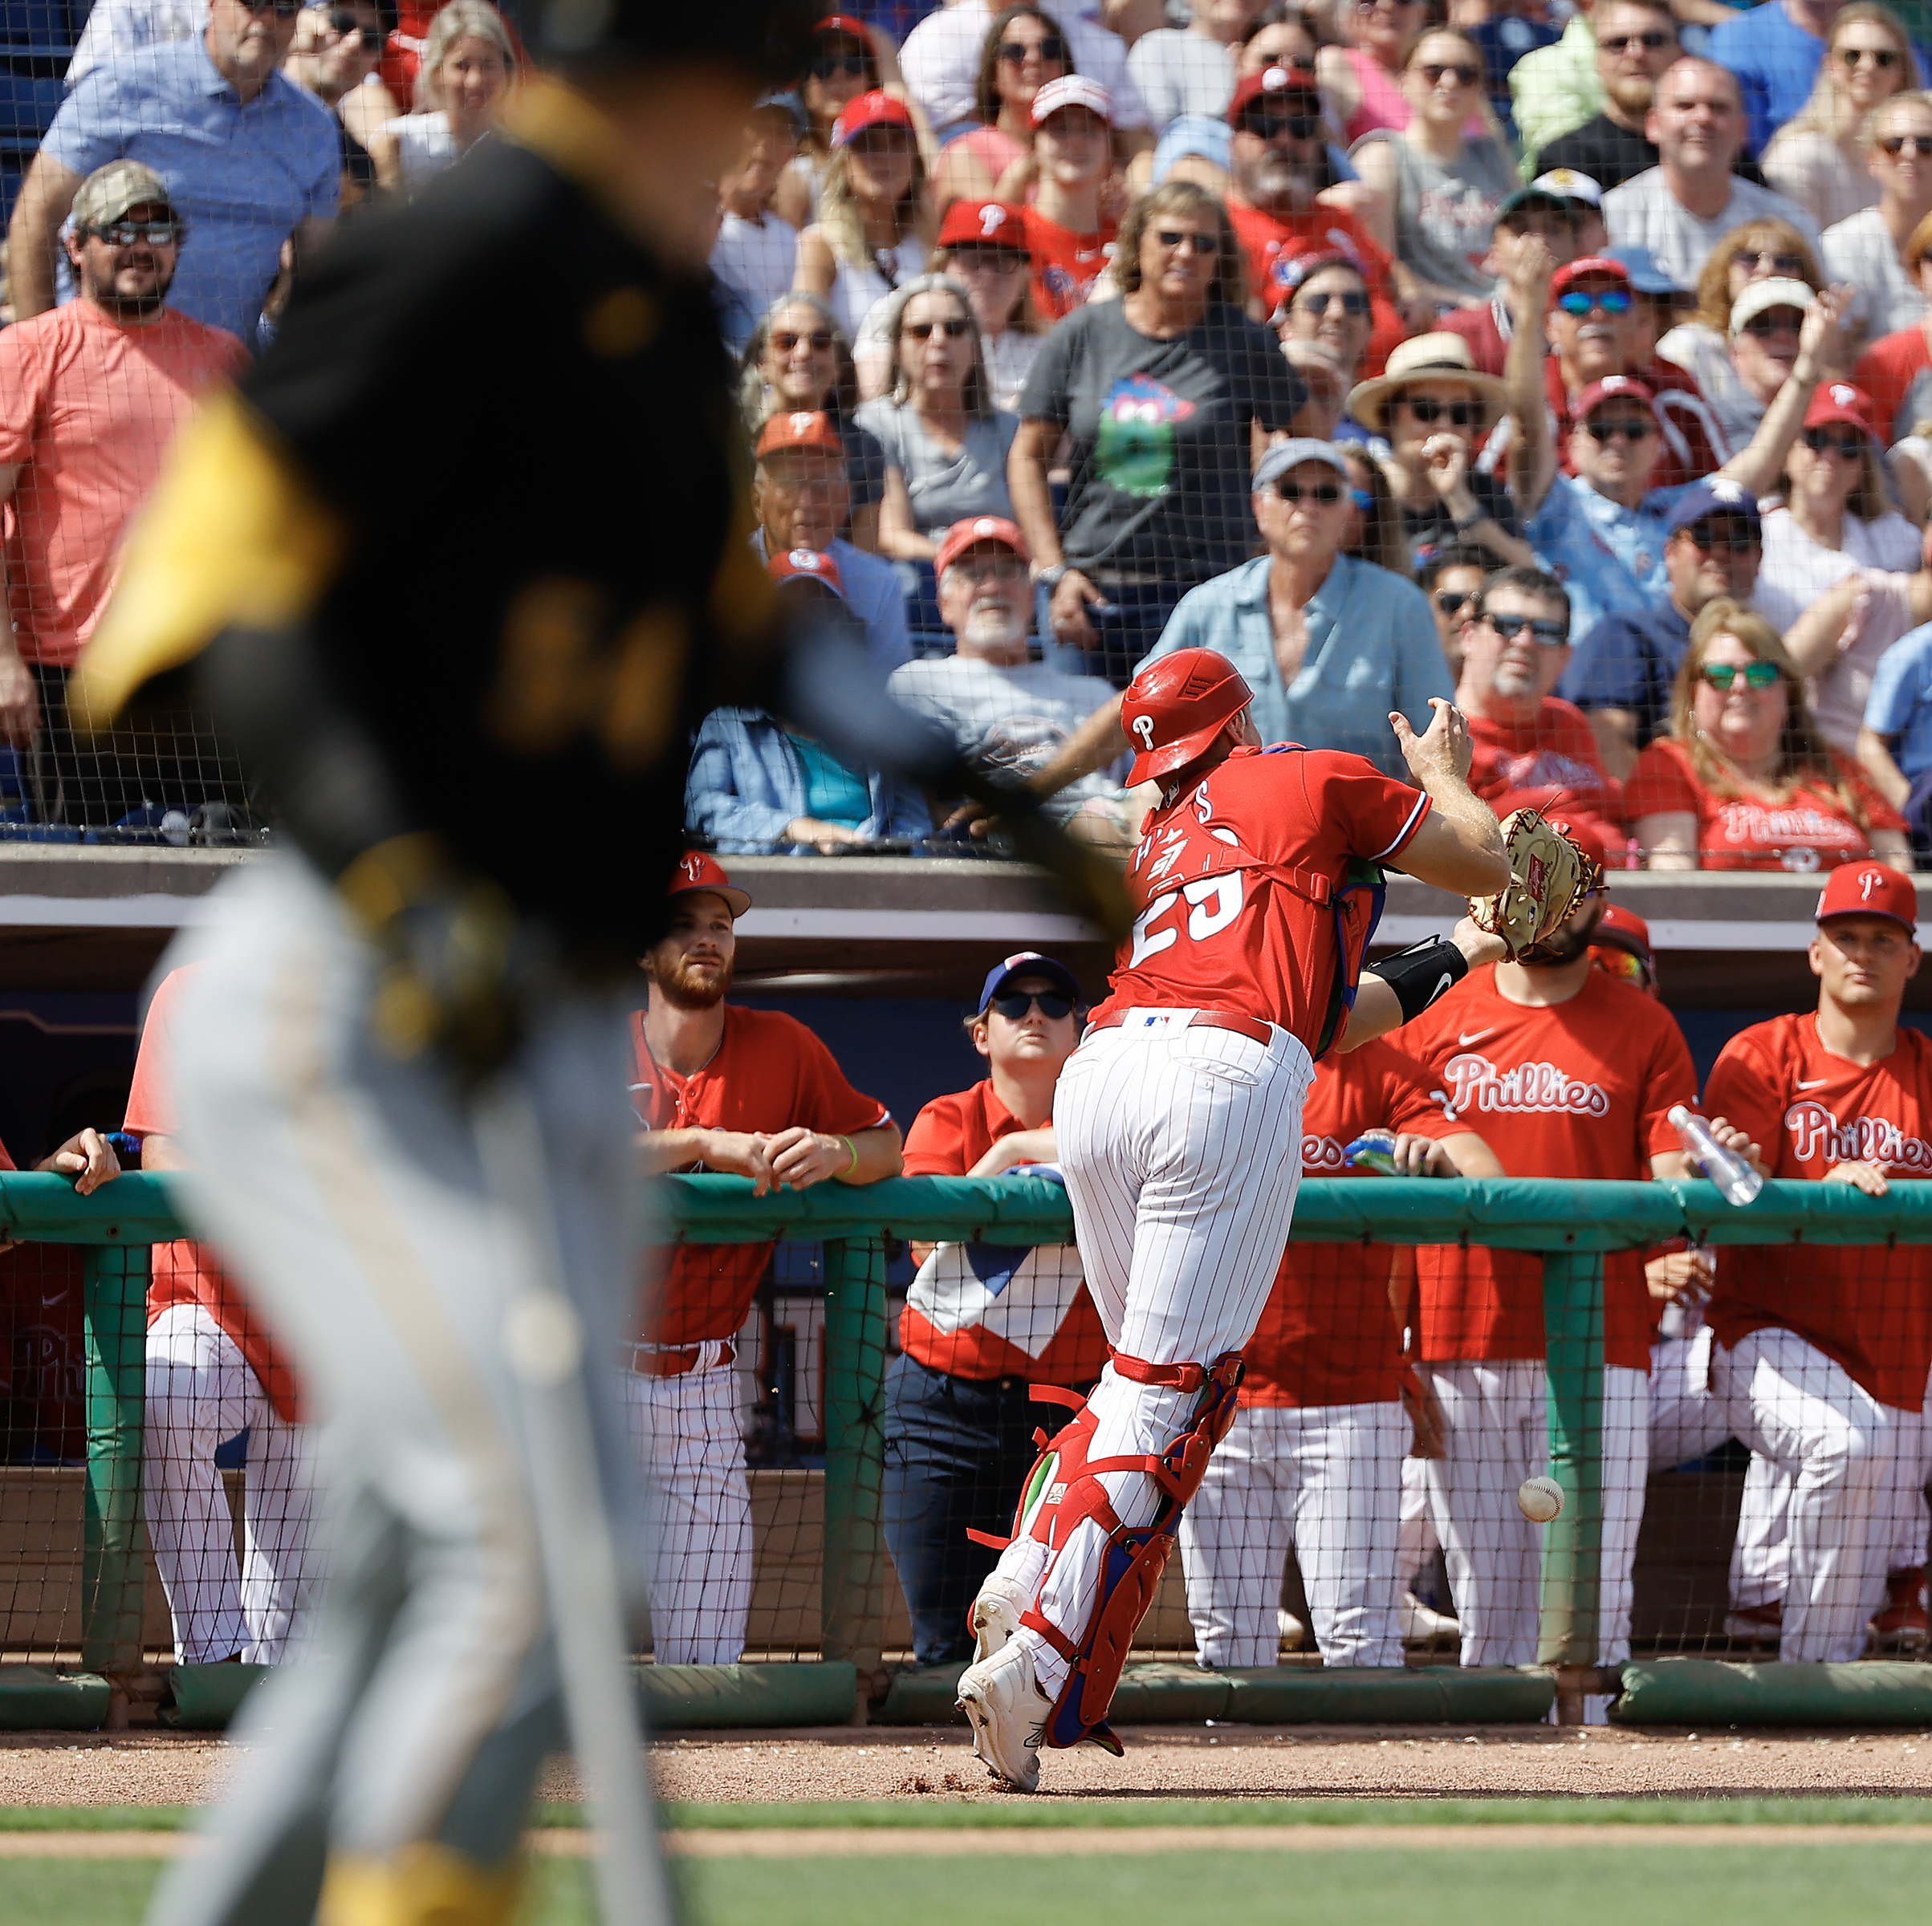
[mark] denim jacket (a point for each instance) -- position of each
(746, 784)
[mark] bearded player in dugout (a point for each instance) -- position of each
(401, 1073)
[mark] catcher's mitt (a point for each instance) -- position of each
(1549, 875)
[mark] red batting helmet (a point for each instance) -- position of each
(1174, 708)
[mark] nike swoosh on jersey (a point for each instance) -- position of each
(1466, 1037)
(1814, 1083)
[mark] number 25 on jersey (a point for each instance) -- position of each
(1214, 902)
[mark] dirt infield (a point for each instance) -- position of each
(1227, 1763)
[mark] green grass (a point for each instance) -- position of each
(1877, 1885)
(1152, 1808)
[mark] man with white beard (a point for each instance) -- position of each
(1005, 709)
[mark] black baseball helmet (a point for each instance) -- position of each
(770, 39)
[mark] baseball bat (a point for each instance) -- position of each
(544, 1339)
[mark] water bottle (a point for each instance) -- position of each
(1735, 1178)
(1371, 1151)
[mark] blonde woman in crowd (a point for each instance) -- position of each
(1819, 158)
(467, 69)
(872, 231)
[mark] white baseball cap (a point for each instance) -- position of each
(1760, 297)
(1072, 90)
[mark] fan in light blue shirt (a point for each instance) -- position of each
(1370, 643)
(249, 158)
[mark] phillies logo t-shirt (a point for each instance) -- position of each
(1868, 1307)
(1578, 1090)
(1135, 449)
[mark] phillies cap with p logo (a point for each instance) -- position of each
(1027, 963)
(697, 871)
(1869, 889)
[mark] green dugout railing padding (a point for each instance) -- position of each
(1571, 1225)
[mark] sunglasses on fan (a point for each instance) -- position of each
(1722, 676)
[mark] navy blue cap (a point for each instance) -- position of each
(1027, 963)
(1716, 496)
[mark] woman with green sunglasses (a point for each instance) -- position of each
(1744, 780)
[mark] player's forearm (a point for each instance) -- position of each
(1096, 743)
(1460, 846)
(879, 1154)
(657, 1150)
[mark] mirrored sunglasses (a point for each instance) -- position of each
(1612, 300)
(1722, 676)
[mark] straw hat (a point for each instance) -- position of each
(1442, 357)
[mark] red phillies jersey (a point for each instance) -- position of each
(1065, 264)
(1889, 371)
(1327, 1334)
(770, 1074)
(1809, 829)
(1578, 1090)
(1236, 883)
(1868, 1307)
(1556, 754)
(948, 1137)
(184, 1272)
(1270, 241)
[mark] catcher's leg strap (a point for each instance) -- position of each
(1040, 1393)
(1136, 1555)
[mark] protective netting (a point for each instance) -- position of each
(1753, 1486)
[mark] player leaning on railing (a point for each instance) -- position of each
(1178, 1123)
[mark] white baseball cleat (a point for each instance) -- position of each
(995, 1616)
(1007, 1712)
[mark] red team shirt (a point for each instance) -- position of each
(1579, 1090)
(1065, 264)
(1869, 1309)
(770, 1073)
(947, 1139)
(1809, 832)
(1235, 884)
(1327, 1334)
(1270, 241)
(1556, 753)
(184, 1272)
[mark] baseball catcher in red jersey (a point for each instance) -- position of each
(1256, 882)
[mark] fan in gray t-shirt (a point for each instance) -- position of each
(1002, 709)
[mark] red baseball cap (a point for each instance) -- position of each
(963, 535)
(1566, 277)
(1869, 889)
(1835, 401)
(878, 108)
(799, 429)
(697, 871)
(983, 224)
(842, 23)
(1624, 929)
(1175, 707)
(1276, 82)
(1611, 388)
(809, 565)
(1071, 90)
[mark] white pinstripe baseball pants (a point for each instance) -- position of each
(1182, 1153)
(1326, 1479)
(201, 1392)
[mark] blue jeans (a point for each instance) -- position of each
(957, 1451)
(1129, 623)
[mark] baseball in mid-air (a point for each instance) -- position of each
(1539, 1499)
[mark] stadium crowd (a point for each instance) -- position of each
(1574, 360)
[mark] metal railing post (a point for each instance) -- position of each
(1572, 1548)
(852, 1597)
(113, 1562)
